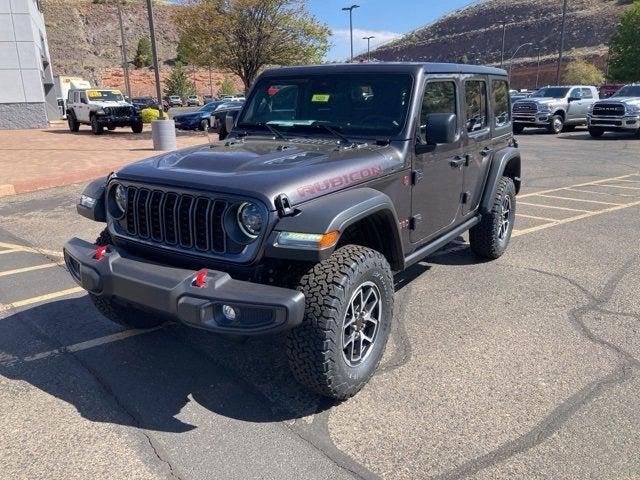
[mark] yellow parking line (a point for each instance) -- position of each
(24, 248)
(554, 207)
(43, 298)
(28, 269)
(602, 193)
(579, 200)
(595, 182)
(517, 233)
(10, 250)
(630, 181)
(546, 219)
(617, 186)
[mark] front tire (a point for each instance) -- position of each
(204, 125)
(348, 314)
(556, 124)
(518, 129)
(73, 123)
(96, 128)
(137, 127)
(489, 238)
(596, 132)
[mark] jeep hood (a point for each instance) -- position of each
(264, 168)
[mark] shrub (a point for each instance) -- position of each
(149, 114)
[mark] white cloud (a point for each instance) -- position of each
(341, 47)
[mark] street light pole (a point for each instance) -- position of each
(514, 54)
(564, 18)
(538, 69)
(368, 39)
(350, 10)
(125, 62)
(504, 36)
(154, 54)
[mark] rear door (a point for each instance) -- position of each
(437, 175)
(477, 145)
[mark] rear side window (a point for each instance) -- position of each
(476, 104)
(501, 111)
(439, 97)
(586, 93)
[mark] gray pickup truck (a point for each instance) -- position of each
(618, 113)
(559, 108)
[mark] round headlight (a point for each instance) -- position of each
(249, 219)
(107, 110)
(120, 196)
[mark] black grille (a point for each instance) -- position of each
(609, 109)
(525, 107)
(187, 221)
(120, 111)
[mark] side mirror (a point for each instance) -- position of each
(575, 97)
(440, 128)
(229, 121)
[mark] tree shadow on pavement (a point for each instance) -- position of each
(146, 380)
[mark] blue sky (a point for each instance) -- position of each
(384, 19)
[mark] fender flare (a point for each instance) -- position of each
(336, 212)
(95, 189)
(505, 162)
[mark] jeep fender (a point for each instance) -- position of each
(506, 162)
(95, 190)
(337, 212)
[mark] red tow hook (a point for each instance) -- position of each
(101, 252)
(200, 280)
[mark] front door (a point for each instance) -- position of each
(437, 173)
(476, 140)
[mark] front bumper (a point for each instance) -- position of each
(188, 124)
(534, 119)
(626, 123)
(171, 292)
(118, 121)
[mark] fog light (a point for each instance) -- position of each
(229, 312)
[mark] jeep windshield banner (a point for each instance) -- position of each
(105, 95)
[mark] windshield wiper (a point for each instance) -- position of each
(334, 132)
(273, 130)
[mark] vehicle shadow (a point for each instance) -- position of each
(608, 136)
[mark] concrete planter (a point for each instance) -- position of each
(163, 133)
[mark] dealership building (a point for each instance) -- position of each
(27, 94)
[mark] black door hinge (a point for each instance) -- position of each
(466, 196)
(283, 206)
(414, 221)
(416, 176)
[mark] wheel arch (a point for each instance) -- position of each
(505, 163)
(561, 113)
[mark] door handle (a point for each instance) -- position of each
(485, 151)
(458, 161)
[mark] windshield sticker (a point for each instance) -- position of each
(272, 90)
(93, 93)
(320, 97)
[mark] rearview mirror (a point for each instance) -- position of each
(440, 128)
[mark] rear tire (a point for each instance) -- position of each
(74, 125)
(338, 346)
(204, 125)
(137, 127)
(111, 129)
(556, 124)
(518, 129)
(596, 132)
(96, 128)
(489, 239)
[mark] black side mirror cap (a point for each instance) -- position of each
(441, 128)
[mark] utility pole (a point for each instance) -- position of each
(368, 39)
(504, 36)
(125, 62)
(350, 10)
(154, 54)
(538, 69)
(210, 83)
(514, 54)
(564, 18)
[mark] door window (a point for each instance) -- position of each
(586, 93)
(501, 110)
(439, 97)
(476, 104)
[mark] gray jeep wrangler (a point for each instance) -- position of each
(333, 178)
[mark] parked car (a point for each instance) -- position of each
(219, 116)
(556, 108)
(618, 113)
(198, 120)
(146, 102)
(175, 101)
(297, 222)
(101, 108)
(207, 99)
(607, 90)
(193, 101)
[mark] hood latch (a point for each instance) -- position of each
(283, 206)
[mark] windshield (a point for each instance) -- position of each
(628, 91)
(210, 107)
(551, 92)
(354, 104)
(105, 95)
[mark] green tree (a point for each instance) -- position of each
(624, 50)
(184, 53)
(244, 36)
(143, 56)
(178, 83)
(227, 87)
(579, 72)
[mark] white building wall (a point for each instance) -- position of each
(26, 80)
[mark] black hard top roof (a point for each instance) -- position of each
(396, 67)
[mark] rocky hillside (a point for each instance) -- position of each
(474, 35)
(84, 37)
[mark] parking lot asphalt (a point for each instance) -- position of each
(525, 367)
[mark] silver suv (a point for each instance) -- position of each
(618, 113)
(557, 108)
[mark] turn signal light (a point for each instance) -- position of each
(329, 239)
(101, 252)
(200, 280)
